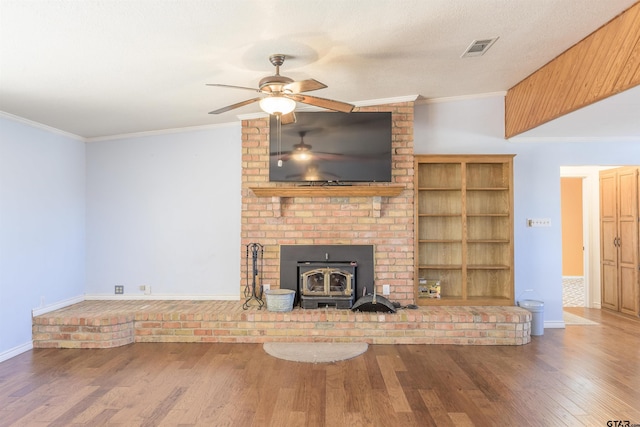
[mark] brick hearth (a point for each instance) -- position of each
(105, 324)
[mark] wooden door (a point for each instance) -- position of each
(608, 234)
(627, 243)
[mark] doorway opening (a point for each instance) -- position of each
(574, 292)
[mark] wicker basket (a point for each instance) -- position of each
(280, 299)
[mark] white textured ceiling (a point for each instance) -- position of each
(101, 68)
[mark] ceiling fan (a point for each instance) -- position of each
(282, 93)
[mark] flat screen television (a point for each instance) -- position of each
(331, 147)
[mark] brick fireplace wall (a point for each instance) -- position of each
(385, 222)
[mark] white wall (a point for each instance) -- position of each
(165, 211)
(476, 126)
(42, 207)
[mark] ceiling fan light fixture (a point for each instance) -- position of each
(301, 155)
(277, 105)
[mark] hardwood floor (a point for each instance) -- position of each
(582, 375)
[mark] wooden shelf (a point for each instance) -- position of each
(487, 267)
(330, 191)
(441, 267)
(487, 189)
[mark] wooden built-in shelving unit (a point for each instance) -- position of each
(464, 228)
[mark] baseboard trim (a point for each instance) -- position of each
(6, 355)
(160, 297)
(554, 324)
(57, 306)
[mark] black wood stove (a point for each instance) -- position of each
(324, 284)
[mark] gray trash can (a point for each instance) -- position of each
(537, 315)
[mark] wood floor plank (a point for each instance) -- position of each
(104, 407)
(163, 407)
(436, 408)
(396, 393)
(352, 383)
(581, 375)
(282, 410)
(460, 419)
(100, 419)
(554, 407)
(58, 406)
(419, 408)
(385, 413)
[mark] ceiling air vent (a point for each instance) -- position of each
(478, 47)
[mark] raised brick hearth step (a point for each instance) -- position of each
(104, 324)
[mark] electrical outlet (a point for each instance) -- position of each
(119, 289)
(266, 287)
(539, 222)
(386, 289)
(146, 289)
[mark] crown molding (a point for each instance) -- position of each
(41, 126)
(160, 132)
(573, 139)
(461, 98)
(384, 101)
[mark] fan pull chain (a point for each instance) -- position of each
(279, 136)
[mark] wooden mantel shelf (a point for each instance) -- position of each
(329, 191)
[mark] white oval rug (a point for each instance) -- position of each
(314, 352)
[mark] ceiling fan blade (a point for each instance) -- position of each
(284, 156)
(329, 104)
(304, 86)
(232, 106)
(234, 87)
(287, 119)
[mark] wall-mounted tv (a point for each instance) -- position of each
(331, 147)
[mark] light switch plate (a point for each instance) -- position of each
(538, 222)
